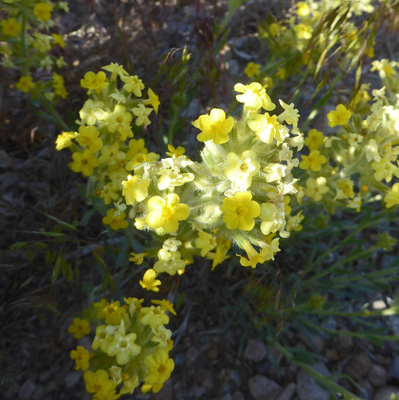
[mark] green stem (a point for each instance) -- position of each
(53, 112)
(339, 263)
(314, 374)
(25, 67)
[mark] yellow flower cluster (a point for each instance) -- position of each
(27, 46)
(104, 146)
(131, 345)
(362, 159)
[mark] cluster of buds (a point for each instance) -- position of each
(361, 160)
(131, 345)
(27, 45)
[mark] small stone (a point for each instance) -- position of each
(386, 392)
(358, 366)
(332, 355)
(345, 342)
(262, 388)
(393, 323)
(366, 389)
(192, 353)
(227, 396)
(307, 388)
(166, 393)
(234, 67)
(205, 378)
(377, 375)
(238, 396)
(287, 392)
(192, 110)
(213, 353)
(394, 370)
(26, 390)
(72, 378)
(197, 391)
(255, 350)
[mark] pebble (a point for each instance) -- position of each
(377, 375)
(345, 342)
(394, 370)
(205, 378)
(255, 350)
(393, 323)
(385, 393)
(332, 355)
(72, 378)
(287, 392)
(366, 389)
(238, 396)
(26, 390)
(358, 366)
(166, 393)
(192, 353)
(262, 388)
(307, 388)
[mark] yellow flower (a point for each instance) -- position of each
(254, 258)
(10, 27)
(267, 128)
(25, 83)
(205, 242)
(133, 84)
(392, 197)
(252, 69)
(240, 211)
(115, 221)
(123, 347)
(340, 116)
(113, 313)
(137, 258)
(313, 161)
(345, 186)
(64, 140)
(214, 126)
(153, 101)
(84, 162)
(81, 357)
(98, 382)
(94, 81)
(314, 139)
(315, 188)
(385, 68)
(142, 114)
(43, 11)
(240, 169)
(166, 213)
(119, 121)
(58, 84)
(302, 9)
(88, 136)
(165, 305)
(254, 97)
(175, 152)
(290, 114)
(79, 328)
(149, 281)
(159, 366)
(303, 31)
(58, 39)
(153, 316)
(220, 255)
(103, 338)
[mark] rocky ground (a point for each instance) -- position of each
(215, 359)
